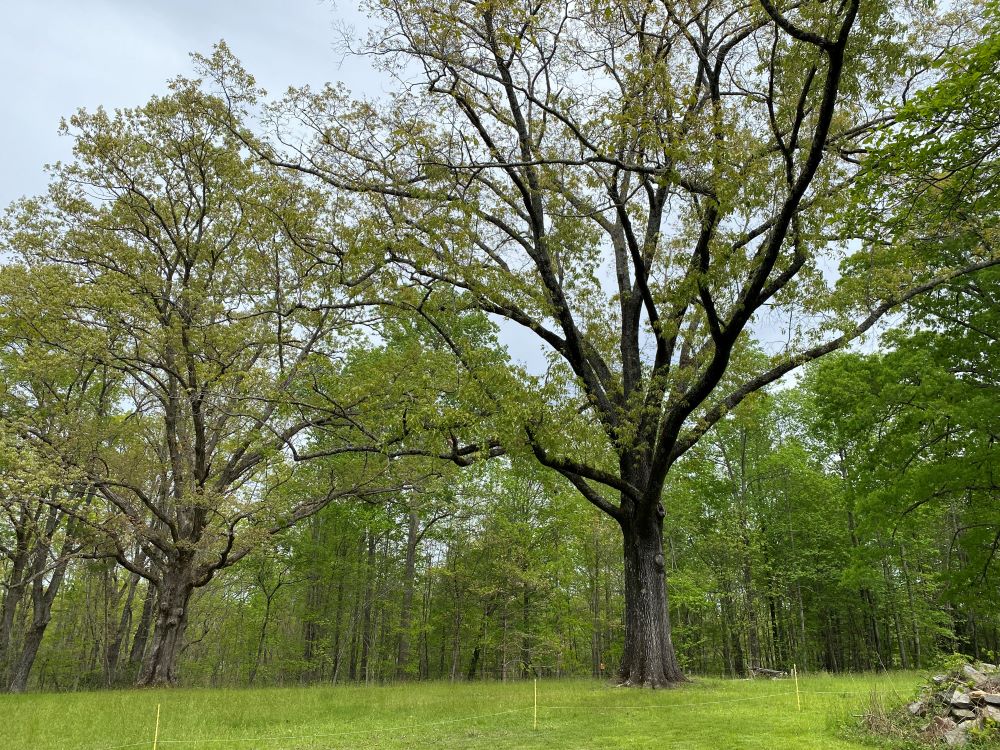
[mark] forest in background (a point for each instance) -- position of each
(258, 428)
(799, 541)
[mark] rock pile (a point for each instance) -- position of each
(774, 674)
(959, 704)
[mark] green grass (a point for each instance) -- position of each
(707, 714)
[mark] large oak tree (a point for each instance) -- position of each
(639, 185)
(168, 258)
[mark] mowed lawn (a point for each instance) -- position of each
(707, 714)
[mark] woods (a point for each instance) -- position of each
(257, 424)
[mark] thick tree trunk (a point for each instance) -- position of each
(649, 659)
(731, 635)
(778, 641)
(13, 594)
(175, 589)
(42, 597)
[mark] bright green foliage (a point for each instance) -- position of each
(916, 427)
(175, 277)
(635, 187)
(215, 348)
(929, 193)
(154, 259)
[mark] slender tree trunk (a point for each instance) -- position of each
(121, 633)
(338, 621)
(366, 612)
(171, 617)
(443, 646)
(912, 608)
(830, 658)
(406, 607)
(262, 639)
(456, 645)
(425, 626)
(596, 652)
(526, 666)
(803, 649)
(753, 625)
(352, 664)
(504, 661)
(138, 650)
(649, 659)
(314, 606)
(871, 642)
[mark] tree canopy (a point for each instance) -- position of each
(266, 331)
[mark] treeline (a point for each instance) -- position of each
(800, 539)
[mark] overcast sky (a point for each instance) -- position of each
(59, 55)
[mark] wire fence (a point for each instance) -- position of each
(154, 742)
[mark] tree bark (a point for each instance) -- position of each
(14, 590)
(409, 579)
(174, 594)
(649, 659)
(261, 640)
(42, 597)
(114, 649)
(338, 620)
(912, 607)
(366, 611)
(32, 641)
(13, 595)
(596, 651)
(352, 669)
(425, 656)
(138, 650)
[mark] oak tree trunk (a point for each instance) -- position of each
(13, 594)
(29, 650)
(175, 591)
(649, 659)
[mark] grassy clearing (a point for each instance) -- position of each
(704, 715)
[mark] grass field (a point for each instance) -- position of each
(707, 714)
